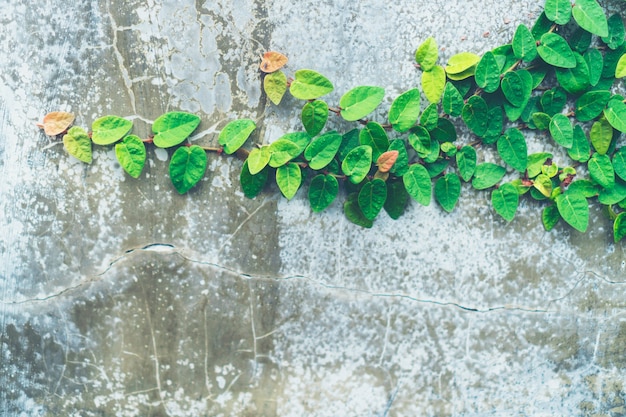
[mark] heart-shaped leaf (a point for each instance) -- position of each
(275, 86)
(513, 150)
(550, 217)
(258, 159)
(487, 74)
(322, 191)
(433, 82)
(427, 54)
(234, 134)
(554, 50)
(289, 178)
(314, 116)
(272, 61)
(252, 184)
(452, 101)
(487, 175)
(360, 101)
(109, 129)
(580, 149)
(513, 88)
(322, 150)
(601, 135)
(574, 209)
(401, 166)
(372, 198)
(282, 151)
(78, 144)
(466, 162)
(374, 135)
(462, 62)
(357, 163)
(418, 184)
(590, 16)
(309, 85)
(448, 191)
(617, 32)
(353, 212)
(505, 200)
(590, 105)
(475, 114)
(615, 113)
(131, 154)
(524, 44)
(601, 170)
(56, 122)
(558, 11)
(561, 130)
(172, 128)
(405, 110)
(187, 167)
(397, 198)
(553, 100)
(574, 80)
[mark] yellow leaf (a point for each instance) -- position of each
(56, 122)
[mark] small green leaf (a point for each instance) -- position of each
(513, 150)
(610, 60)
(353, 212)
(558, 11)
(543, 184)
(616, 32)
(619, 163)
(535, 162)
(574, 209)
(289, 178)
(309, 85)
(488, 72)
(131, 154)
(554, 50)
(402, 162)
(580, 150)
(235, 134)
(505, 200)
(487, 175)
(620, 69)
(357, 163)
(448, 191)
(282, 151)
(553, 100)
(360, 101)
(187, 167)
(78, 144)
(590, 105)
(322, 191)
(615, 113)
(372, 198)
(420, 140)
(444, 132)
(437, 167)
(574, 80)
(524, 44)
(252, 184)
(433, 83)
(512, 112)
(462, 62)
(417, 184)
(258, 159)
(427, 54)
(601, 170)
(350, 141)
(109, 129)
(374, 135)
(275, 86)
(494, 126)
(550, 217)
(405, 110)
(513, 88)
(619, 227)
(561, 130)
(172, 128)
(475, 115)
(541, 120)
(397, 198)
(452, 101)
(580, 40)
(601, 134)
(322, 150)
(590, 16)
(466, 162)
(314, 116)
(542, 25)
(595, 63)
(429, 117)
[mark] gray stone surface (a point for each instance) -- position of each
(118, 297)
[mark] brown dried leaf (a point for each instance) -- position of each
(272, 61)
(386, 160)
(56, 122)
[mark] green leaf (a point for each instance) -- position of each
(350, 141)
(397, 199)
(258, 159)
(535, 162)
(513, 88)
(586, 188)
(601, 170)
(590, 105)
(619, 227)
(282, 151)
(357, 163)
(580, 40)
(131, 154)
(360, 101)
(466, 162)
(300, 139)
(309, 85)
(553, 100)
(437, 167)
(452, 101)
(417, 184)
(322, 191)
(494, 126)
(590, 16)
(554, 50)
(444, 132)
(252, 184)
(427, 54)
(610, 60)
(420, 140)
(78, 144)
(613, 195)
(619, 163)
(595, 63)
(289, 178)
(601, 134)
(550, 217)
(542, 25)
(172, 128)
(429, 116)
(513, 150)
(541, 120)
(505, 200)
(372, 198)
(580, 149)
(374, 135)
(574, 209)
(314, 116)
(488, 73)
(402, 162)
(461, 63)
(187, 167)
(109, 129)
(543, 184)
(234, 134)
(558, 11)
(405, 110)
(616, 32)
(322, 150)
(353, 212)
(448, 191)
(275, 86)
(487, 175)
(524, 44)
(574, 80)
(512, 112)
(475, 114)
(615, 113)
(561, 130)
(620, 69)
(433, 83)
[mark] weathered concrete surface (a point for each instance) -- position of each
(120, 297)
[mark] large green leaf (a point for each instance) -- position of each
(258, 159)
(353, 212)
(580, 149)
(282, 151)
(322, 150)
(619, 227)
(561, 130)
(78, 144)
(615, 113)
(289, 178)
(252, 184)
(314, 116)
(275, 86)
(360, 101)
(590, 105)
(374, 135)
(109, 129)
(417, 183)
(444, 132)
(558, 11)
(574, 80)
(590, 16)
(322, 191)
(357, 163)
(505, 200)
(524, 44)
(543, 184)
(475, 115)
(513, 150)
(234, 134)
(554, 50)
(131, 154)
(427, 54)
(187, 167)
(433, 83)
(574, 209)
(372, 198)
(466, 162)
(487, 175)
(601, 135)
(601, 170)
(448, 191)
(172, 128)
(487, 74)
(405, 110)
(452, 101)
(309, 85)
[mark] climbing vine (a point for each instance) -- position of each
(556, 78)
